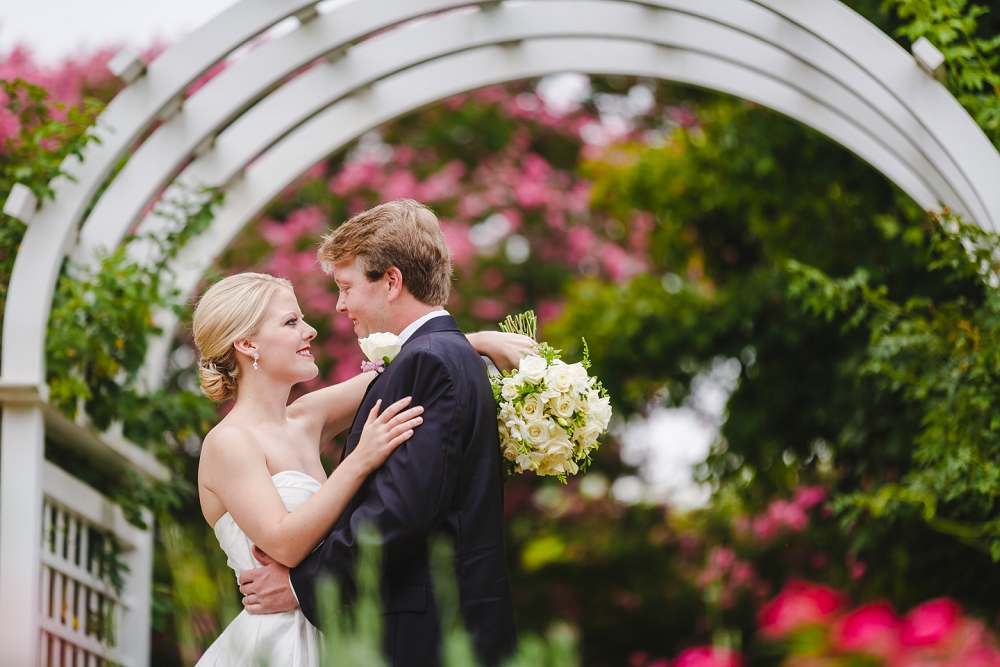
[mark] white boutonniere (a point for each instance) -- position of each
(381, 349)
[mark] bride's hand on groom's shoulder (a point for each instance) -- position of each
(505, 350)
(383, 433)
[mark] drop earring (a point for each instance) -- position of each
(255, 358)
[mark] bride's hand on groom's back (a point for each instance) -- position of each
(384, 432)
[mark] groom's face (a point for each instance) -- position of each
(365, 302)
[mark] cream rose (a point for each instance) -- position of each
(532, 408)
(559, 377)
(509, 390)
(587, 435)
(601, 412)
(538, 432)
(381, 347)
(580, 380)
(533, 368)
(563, 406)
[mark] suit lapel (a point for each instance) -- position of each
(434, 325)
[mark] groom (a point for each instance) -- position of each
(393, 268)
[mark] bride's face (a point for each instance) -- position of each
(283, 340)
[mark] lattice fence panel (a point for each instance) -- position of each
(80, 611)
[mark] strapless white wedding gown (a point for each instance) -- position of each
(278, 640)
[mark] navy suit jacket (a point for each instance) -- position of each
(446, 479)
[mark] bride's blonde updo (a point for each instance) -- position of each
(232, 309)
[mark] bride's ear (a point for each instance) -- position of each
(245, 347)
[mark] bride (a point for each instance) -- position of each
(260, 479)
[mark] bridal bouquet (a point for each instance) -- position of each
(550, 413)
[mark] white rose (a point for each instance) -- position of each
(538, 432)
(381, 347)
(597, 409)
(602, 412)
(559, 377)
(532, 408)
(509, 390)
(587, 435)
(563, 406)
(548, 394)
(579, 378)
(510, 452)
(533, 368)
(558, 446)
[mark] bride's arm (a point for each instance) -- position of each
(333, 408)
(236, 471)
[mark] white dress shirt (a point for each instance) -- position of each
(416, 324)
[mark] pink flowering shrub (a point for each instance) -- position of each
(731, 576)
(782, 516)
(816, 628)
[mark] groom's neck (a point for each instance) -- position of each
(408, 313)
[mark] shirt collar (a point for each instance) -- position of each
(416, 324)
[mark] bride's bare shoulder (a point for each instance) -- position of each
(228, 443)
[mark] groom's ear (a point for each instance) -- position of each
(394, 280)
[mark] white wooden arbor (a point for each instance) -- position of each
(253, 129)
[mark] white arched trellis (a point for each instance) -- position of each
(253, 129)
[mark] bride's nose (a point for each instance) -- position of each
(310, 332)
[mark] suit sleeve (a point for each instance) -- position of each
(409, 496)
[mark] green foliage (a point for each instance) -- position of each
(943, 357)
(971, 53)
(99, 331)
(736, 198)
(46, 134)
(352, 633)
(195, 594)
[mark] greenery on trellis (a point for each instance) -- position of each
(971, 57)
(943, 357)
(45, 135)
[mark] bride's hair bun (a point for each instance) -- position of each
(217, 384)
(231, 310)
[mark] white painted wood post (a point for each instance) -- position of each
(135, 632)
(22, 449)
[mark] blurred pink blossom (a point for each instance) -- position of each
(457, 236)
(930, 623)
(800, 603)
(400, 185)
(709, 656)
(872, 628)
(548, 310)
(809, 496)
(303, 222)
(489, 309)
(356, 175)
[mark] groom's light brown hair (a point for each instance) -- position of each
(401, 233)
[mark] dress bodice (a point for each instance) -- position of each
(294, 487)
